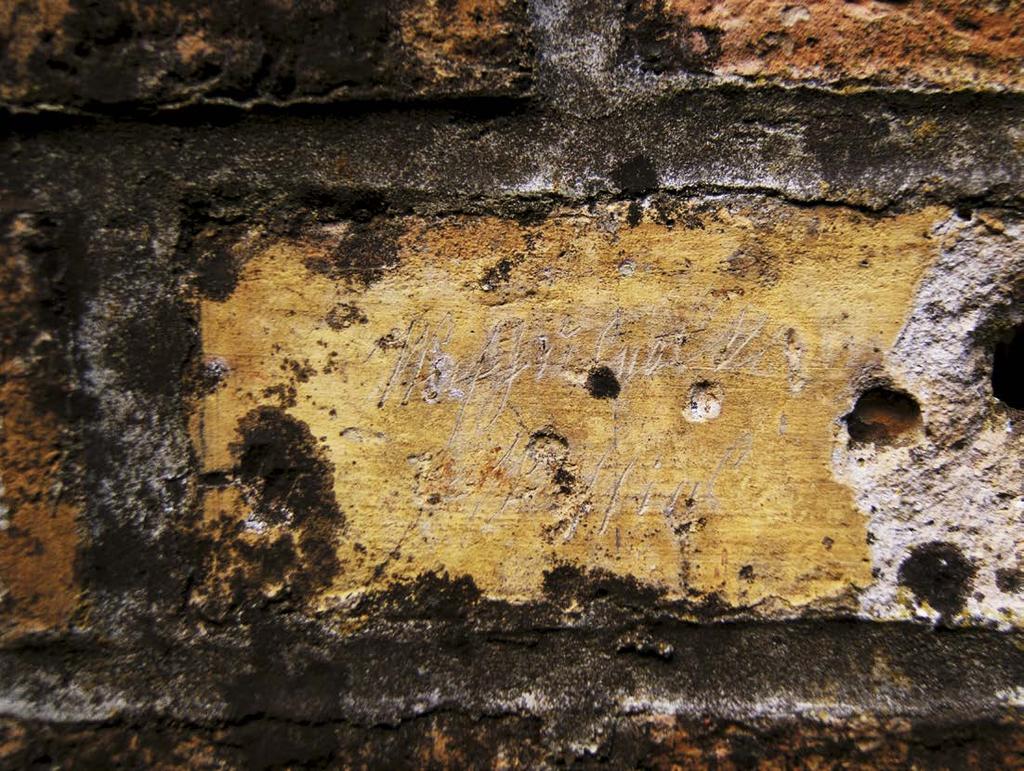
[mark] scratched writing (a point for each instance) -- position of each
(525, 480)
(518, 349)
(528, 354)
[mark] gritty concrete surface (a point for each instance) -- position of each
(507, 384)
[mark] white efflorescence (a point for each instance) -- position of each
(958, 482)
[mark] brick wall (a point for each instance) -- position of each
(490, 383)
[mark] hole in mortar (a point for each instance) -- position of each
(882, 415)
(1008, 370)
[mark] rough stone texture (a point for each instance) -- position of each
(500, 384)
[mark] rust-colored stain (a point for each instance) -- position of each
(39, 534)
(496, 399)
(946, 43)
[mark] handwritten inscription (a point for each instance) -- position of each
(509, 398)
(520, 348)
(481, 384)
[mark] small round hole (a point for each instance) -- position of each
(602, 383)
(882, 415)
(1008, 370)
(704, 403)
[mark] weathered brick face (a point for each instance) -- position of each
(944, 45)
(642, 377)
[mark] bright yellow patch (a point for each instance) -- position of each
(463, 433)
